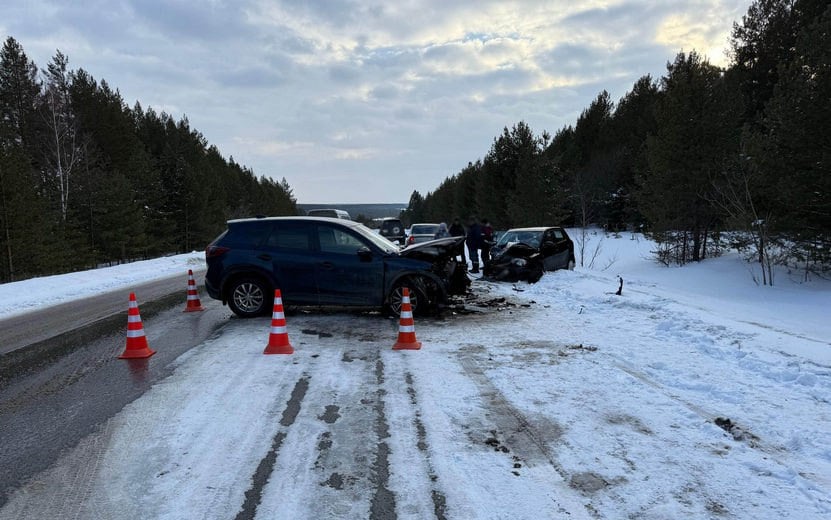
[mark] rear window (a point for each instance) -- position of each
(392, 225)
(246, 234)
(424, 229)
(289, 236)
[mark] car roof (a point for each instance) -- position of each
(539, 228)
(350, 223)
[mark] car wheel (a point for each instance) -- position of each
(418, 300)
(248, 297)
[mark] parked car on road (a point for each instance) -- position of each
(553, 243)
(331, 213)
(422, 233)
(393, 230)
(326, 262)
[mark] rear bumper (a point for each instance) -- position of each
(212, 290)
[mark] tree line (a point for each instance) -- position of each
(86, 180)
(701, 151)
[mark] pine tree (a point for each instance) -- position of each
(793, 148)
(697, 129)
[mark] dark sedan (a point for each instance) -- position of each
(553, 243)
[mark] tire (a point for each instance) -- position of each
(248, 297)
(418, 300)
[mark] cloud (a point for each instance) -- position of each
(383, 97)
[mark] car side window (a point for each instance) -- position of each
(294, 237)
(251, 234)
(333, 240)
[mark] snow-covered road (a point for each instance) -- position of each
(564, 401)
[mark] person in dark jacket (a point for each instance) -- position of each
(474, 243)
(487, 241)
(457, 230)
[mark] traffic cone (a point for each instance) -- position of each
(136, 340)
(278, 340)
(406, 325)
(193, 304)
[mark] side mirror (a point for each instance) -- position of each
(365, 254)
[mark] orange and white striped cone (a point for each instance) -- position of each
(136, 340)
(193, 304)
(406, 325)
(278, 340)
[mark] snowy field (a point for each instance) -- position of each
(694, 394)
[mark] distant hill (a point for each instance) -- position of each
(370, 211)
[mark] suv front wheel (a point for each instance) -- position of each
(418, 300)
(248, 297)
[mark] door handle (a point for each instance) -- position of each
(264, 257)
(327, 265)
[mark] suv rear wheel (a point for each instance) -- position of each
(248, 297)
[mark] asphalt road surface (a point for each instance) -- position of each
(60, 376)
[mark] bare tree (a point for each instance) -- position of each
(735, 194)
(63, 148)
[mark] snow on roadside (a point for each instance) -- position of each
(26, 295)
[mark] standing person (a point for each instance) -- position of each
(442, 232)
(457, 230)
(474, 243)
(487, 242)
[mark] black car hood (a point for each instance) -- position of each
(446, 246)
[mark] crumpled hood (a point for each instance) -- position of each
(440, 247)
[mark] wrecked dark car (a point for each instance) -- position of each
(515, 263)
(326, 262)
(524, 254)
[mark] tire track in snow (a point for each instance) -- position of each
(382, 506)
(525, 440)
(266, 466)
(436, 495)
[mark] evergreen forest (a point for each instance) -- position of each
(701, 159)
(86, 180)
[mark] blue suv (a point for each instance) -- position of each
(318, 261)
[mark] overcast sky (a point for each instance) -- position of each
(364, 100)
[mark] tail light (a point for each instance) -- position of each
(214, 251)
(411, 240)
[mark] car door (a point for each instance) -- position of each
(290, 249)
(554, 249)
(349, 270)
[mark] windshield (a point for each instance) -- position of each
(424, 229)
(379, 241)
(532, 238)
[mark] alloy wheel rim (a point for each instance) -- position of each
(248, 297)
(398, 295)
